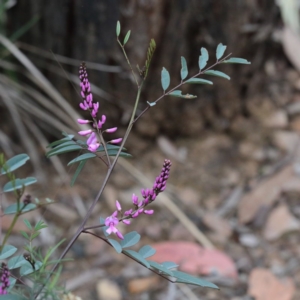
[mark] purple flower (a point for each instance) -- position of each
(118, 205)
(4, 279)
(161, 181)
(116, 141)
(111, 222)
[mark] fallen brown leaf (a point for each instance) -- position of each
(279, 222)
(263, 285)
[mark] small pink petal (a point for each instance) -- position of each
(149, 212)
(111, 130)
(81, 121)
(85, 132)
(118, 205)
(116, 141)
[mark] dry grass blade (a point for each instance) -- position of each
(40, 79)
(67, 60)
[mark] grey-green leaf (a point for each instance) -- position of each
(116, 245)
(16, 262)
(77, 172)
(63, 150)
(7, 251)
(217, 73)
(220, 51)
(130, 239)
(13, 209)
(126, 37)
(236, 60)
(184, 69)
(160, 267)
(118, 28)
(18, 184)
(178, 93)
(147, 251)
(199, 81)
(169, 264)
(137, 257)
(82, 157)
(203, 58)
(15, 163)
(165, 79)
(186, 278)
(58, 142)
(12, 297)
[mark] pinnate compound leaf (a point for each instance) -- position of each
(186, 278)
(147, 251)
(203, 58)
(18, 184)
(14, 163)
(13, 209)
(137, 257)
(126, 37)
(118, 28)
(165, 79)
(220, 51)
(236, 60)
(7, 251)
(184, 69)
(130, 239)
(160, 268)
(82, 157)
(217, 73)
(16, 262)
(116, 245)
(77, 172)
(169, 264)
(178, 93)
(199, 81)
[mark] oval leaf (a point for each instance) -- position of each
(220, 51)
(15, 163)
(178, 93)
(126, 37)
(217, 73)
(82, 157)
(203, 58)
(16, 262)
(13, 209)
(18, 184)
(184, 69)
(161, 268)
(118, 28)
(198, 81)
(116, 245)
(28, 269)
(67, 138)
(7, 251)
(169, 265)
(186, 278)
(236, 60)
(147, 251)
(137, 257)
(165, 79)
(130, 239)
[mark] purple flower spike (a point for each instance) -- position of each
(161, 181)
(4, 279)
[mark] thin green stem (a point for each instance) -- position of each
(180, 84)
(128, 61)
